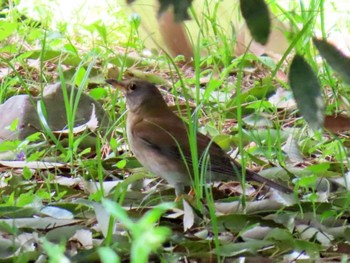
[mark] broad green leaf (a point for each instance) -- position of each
(6, 29)
(238, 222)
(338, 61)
(307, 92)
(251, 246)
(80, 74)
(116, 210)
(150, 240)
(14, 125)
(98, 93)
(16, 212)
(279, 234)
(306, 181)
(258, 91)
(27, 173)
(256, 14)
(319, 168)
(153, 215)
(121, 164)
(107, 255)
(63, 57)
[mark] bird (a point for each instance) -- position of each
(159, 140)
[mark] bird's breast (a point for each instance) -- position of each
(157, 163)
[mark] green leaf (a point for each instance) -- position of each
(14, 125)
(101, 29)
(6, 29)
(153, 215)
(224, 141)
(338, 61)
(63, 57)
(306, 181)
(307, 92)
(9, 145)
(98, 93)
(27, 173)
(107, 255)
(153, 237)
(121, 164)
(118, 212)
(256, 14)
(319, 168)
(79, 76)
(251, 246)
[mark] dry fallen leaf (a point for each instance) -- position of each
(337, 123)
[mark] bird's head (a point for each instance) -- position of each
(140, 95)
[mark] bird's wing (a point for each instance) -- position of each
(171, 139)
(162, 135)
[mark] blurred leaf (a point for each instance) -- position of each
(154, 215)
(256, 14)
(16, 212)
(98, 93)
(257, 120)
(337, 123)
(251, 246)
(9, 145)
(150, 77)
(63, 57)
(57, 212)
(39, 223)
(319, 168)
(107, 255)
(116, 210)
(268, 61)
(14, 125)
(311, 233)
(71, 49)
(79, 76)
(150, 240)
(238, 222)
(31, 165)
(279, 234)
(6, 29)
(62, 233)
(291, 148)
(307, 92)
(258, 91)
(101, 29)
(188, 219)
(306, 181)
(27, 173)
(338, 61)
(224, 141)
(121, 164)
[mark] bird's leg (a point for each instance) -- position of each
(179, 190)
(192, 192)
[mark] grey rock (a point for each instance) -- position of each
(24, 108)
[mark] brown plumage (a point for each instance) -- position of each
(159, 139)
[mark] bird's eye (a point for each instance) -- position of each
(132, 86)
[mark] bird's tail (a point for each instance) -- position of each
(258, 178)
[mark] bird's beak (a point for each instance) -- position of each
(117, 84)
